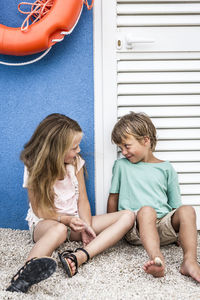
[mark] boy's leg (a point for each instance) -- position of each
(146, 218)
(110, 228)
(184, 222)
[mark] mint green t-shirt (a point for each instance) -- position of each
(146, 184)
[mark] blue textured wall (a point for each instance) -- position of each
(61, 82)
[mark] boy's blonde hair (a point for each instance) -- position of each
(44, 157)
(138, 125)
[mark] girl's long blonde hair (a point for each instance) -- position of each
(44, 157)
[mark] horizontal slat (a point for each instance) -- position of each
(163, 111)
(158, 89)
(178, 134)
(159, 100)
(158, 66)
(157, 20)
(187, 167)
(134, 56)
(190, 189)
(178, 145)
(191, 200)
(157, 77)
(189, 178)
(162, 123)
(179, 156)
(180, 166)
(162, 9)
(157, 1)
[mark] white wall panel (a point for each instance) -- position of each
(161, 77)
(157, 67)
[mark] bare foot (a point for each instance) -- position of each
(155, 267)
(72, 266)
(81, 258)
(191, 268)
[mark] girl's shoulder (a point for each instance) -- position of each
(79, 163)
(76, 167)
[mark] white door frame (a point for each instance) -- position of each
(105, 114)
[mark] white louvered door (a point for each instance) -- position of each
(157, 61)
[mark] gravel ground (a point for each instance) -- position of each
(115, 274)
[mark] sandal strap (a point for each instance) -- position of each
(19, 272)
(69, 254)
(87, 254)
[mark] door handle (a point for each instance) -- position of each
(130, 41)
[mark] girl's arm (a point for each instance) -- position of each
(83, 202)
(112, 205)
(74, 223)
(87, 233)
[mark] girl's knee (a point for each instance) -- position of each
(60, 230)
(129, 217)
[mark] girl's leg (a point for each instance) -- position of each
(48, 235)
(146, 218)
(110, 228)
(184, 222)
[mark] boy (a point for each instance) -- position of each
(149, 187)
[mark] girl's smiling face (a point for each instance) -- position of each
(74, 150)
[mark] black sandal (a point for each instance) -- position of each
(69, 254)
(34, 271)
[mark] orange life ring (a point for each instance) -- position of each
(41, 35)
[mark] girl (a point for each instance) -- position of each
(59, 207)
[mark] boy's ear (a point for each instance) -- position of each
(146, 140)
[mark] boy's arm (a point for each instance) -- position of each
(173, 191)
(112, 205)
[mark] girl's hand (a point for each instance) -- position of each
(76, 224)
(88, 235)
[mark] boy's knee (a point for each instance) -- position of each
(146, 211)
(186, 211)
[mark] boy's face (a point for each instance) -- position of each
(135, 150)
